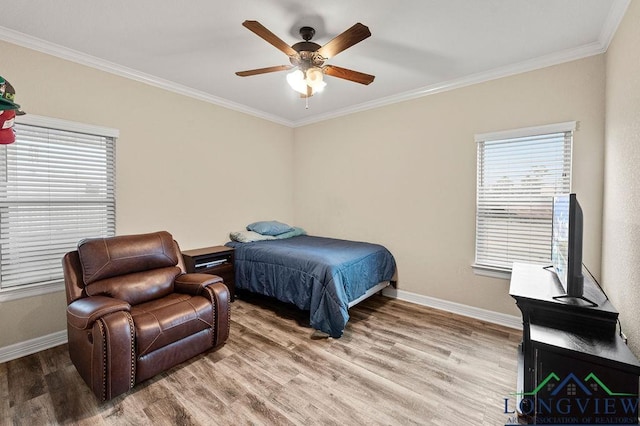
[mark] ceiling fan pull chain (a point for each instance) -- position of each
(306, 102)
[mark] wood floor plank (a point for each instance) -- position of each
(260, 411)
(4, 393)
(397, 363)
(68, 408)
(366, 388)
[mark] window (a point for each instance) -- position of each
(57, 186)
(519, 171)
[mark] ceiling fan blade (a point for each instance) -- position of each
(264, 70)
(258, 29)
(343, 41)
(347, 74)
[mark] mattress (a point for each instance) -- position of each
(318, 274)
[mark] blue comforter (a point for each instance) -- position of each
(321, 275)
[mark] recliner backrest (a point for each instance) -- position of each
(134, 268)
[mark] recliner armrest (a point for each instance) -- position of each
(194, 283)
(82, 313)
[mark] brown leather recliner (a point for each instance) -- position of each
(133, 312)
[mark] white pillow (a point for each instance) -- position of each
(249, 236)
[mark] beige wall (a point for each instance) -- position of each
(401, 175)
(404, 175)
(192, 168)
(621, 220)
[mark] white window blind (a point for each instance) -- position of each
(518, 173)
(56, 188)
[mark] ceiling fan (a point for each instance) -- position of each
(308, 58)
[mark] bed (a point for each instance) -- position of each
(325, 276)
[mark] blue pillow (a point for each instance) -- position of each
(269, 227)
(293, 233)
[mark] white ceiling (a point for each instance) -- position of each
(417, 46)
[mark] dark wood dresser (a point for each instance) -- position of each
(572, 362)
(216, 260)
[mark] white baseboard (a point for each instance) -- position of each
(511, 321)
(38, 344)
(18, 350)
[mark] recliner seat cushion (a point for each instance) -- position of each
(103, 258)
(169, 319)
(137, 288)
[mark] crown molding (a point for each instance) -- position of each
(34, 43)
(611, 24)
(556, 58)
(616, 14)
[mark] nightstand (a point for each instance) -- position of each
(217, 260)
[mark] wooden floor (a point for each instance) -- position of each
(396, 364)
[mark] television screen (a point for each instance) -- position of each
(560, 238)
(566, 243)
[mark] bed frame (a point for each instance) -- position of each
(373, 290)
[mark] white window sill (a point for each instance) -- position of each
(20, 292)
(493, 272)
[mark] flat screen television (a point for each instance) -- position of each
(566, 245)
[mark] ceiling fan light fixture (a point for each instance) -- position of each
(319, 87)
(297, 81)
(315, 79)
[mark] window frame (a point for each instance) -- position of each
(36, 289)
(527, 132)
